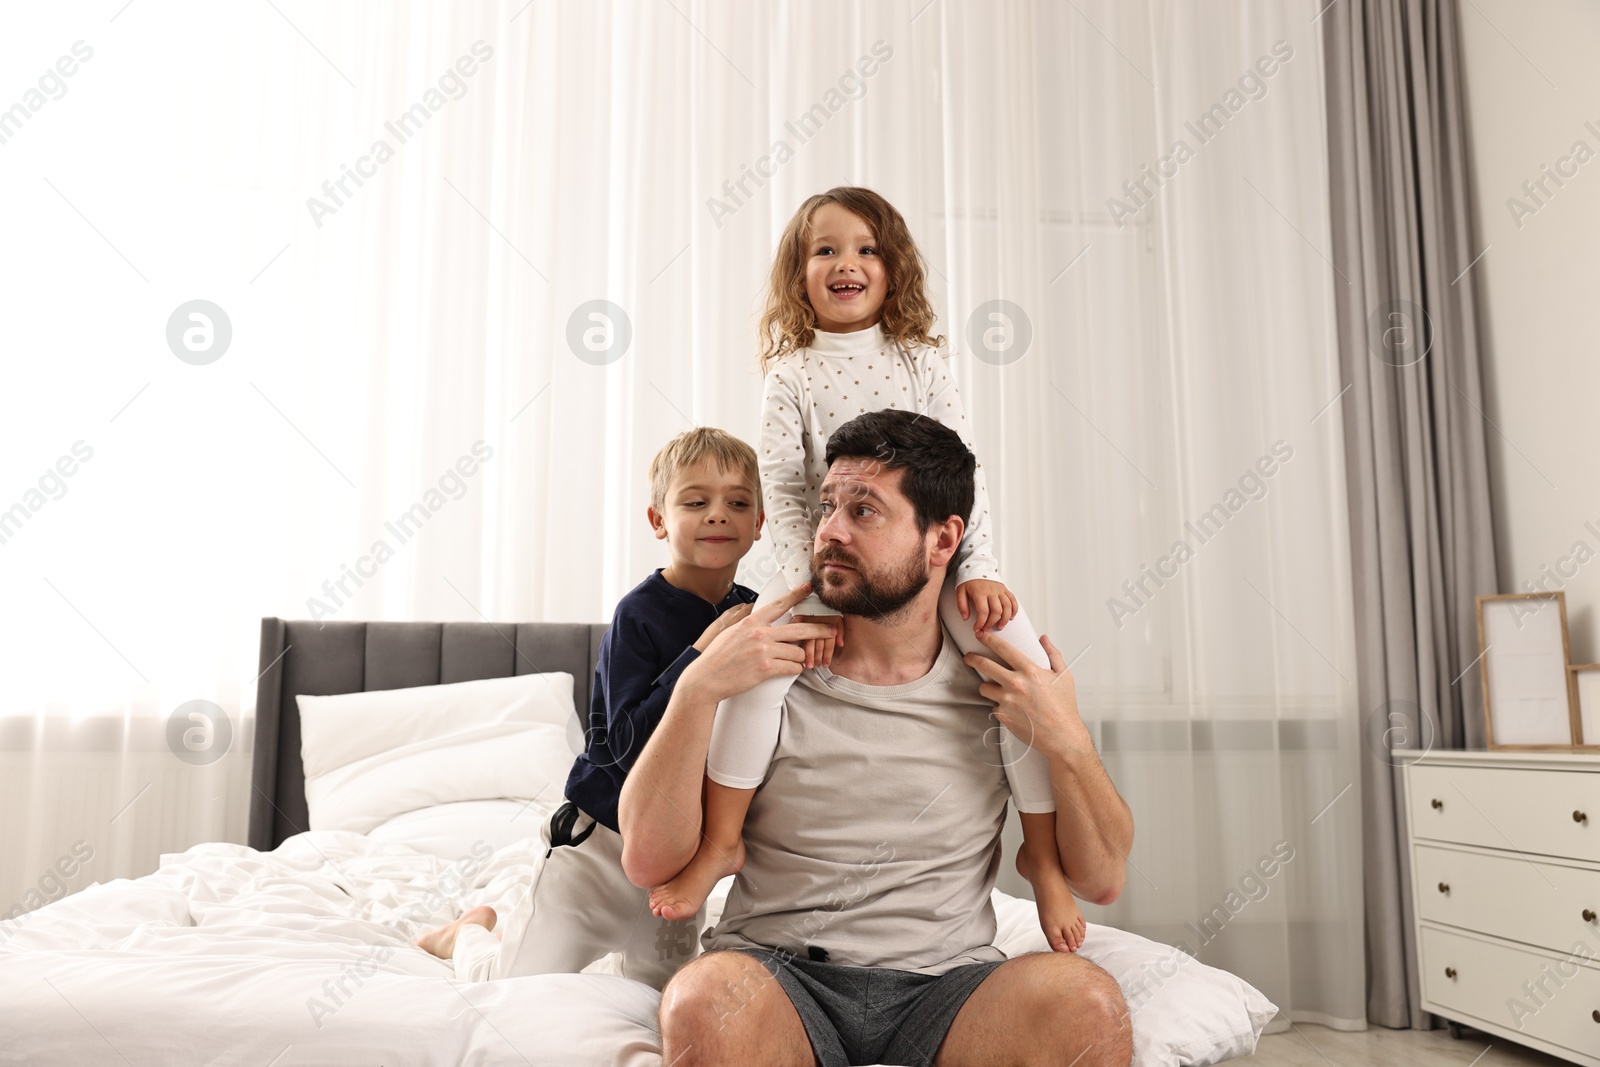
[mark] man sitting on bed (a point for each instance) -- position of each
(873, 843)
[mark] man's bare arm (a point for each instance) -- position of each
(1094, 827)
(661, 808)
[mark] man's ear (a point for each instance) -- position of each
(658, 522)
(947, 538)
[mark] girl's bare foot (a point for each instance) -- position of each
(1063, 924)
(441, 940)
(683, 895)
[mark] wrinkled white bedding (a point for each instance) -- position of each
(294, 957)
(302, 956)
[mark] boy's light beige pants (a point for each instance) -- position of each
(580, 908)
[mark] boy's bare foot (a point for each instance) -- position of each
(683, 895)
(441, 940)
(1063, 924)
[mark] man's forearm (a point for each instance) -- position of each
(1094, 828)
(659, 812)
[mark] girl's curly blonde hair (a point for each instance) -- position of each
(789, 321)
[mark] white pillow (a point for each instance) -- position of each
(371, 756)
(451, 831)
(1185, 1013)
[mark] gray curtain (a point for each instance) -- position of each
(1418, 480)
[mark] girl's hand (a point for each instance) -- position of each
(752, 650)
(990, 605)
(819, 653)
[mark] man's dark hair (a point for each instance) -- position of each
(938, 467)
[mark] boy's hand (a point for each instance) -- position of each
(990, 605)
(721, 623)
(820, 653)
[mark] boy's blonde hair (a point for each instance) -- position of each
(789, 322)
(692, 446)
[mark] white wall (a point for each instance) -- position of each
(1531, 85)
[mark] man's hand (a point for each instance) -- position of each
(752, 650)
(990, 605)
(1094, 828)
(1039, 707)
(719, 624)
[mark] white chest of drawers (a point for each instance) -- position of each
(1505, 882)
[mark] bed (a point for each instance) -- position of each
(295, 949)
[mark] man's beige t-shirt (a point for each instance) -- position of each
(875, 836)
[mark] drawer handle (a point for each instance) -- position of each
(1438, 805)
(1449, 972)
(1444, 887)
(1597, 1015)
(1579, 816)
(1588, 915)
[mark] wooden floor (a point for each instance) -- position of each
(1309, 1045)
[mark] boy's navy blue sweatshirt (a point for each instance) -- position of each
(648, 645)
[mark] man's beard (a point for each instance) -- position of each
(872, 596)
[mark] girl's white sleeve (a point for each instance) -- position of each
(942, 400)
(782, 464)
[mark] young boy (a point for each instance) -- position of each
(705, 502)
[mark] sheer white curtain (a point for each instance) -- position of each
(446, 309)
(1168, 486)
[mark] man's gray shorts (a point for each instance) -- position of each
(857, 1015)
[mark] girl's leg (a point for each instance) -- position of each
(743, 738)
(1027, 771)
(1039, 861)
(721, 853)
(1028, 775)
(1019, 631)
(745, 731)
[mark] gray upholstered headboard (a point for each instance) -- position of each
(323, 658)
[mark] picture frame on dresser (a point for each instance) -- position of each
(1584, 679)
(1529, 700)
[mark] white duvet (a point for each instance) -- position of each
(294, 957)
(302, 956)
